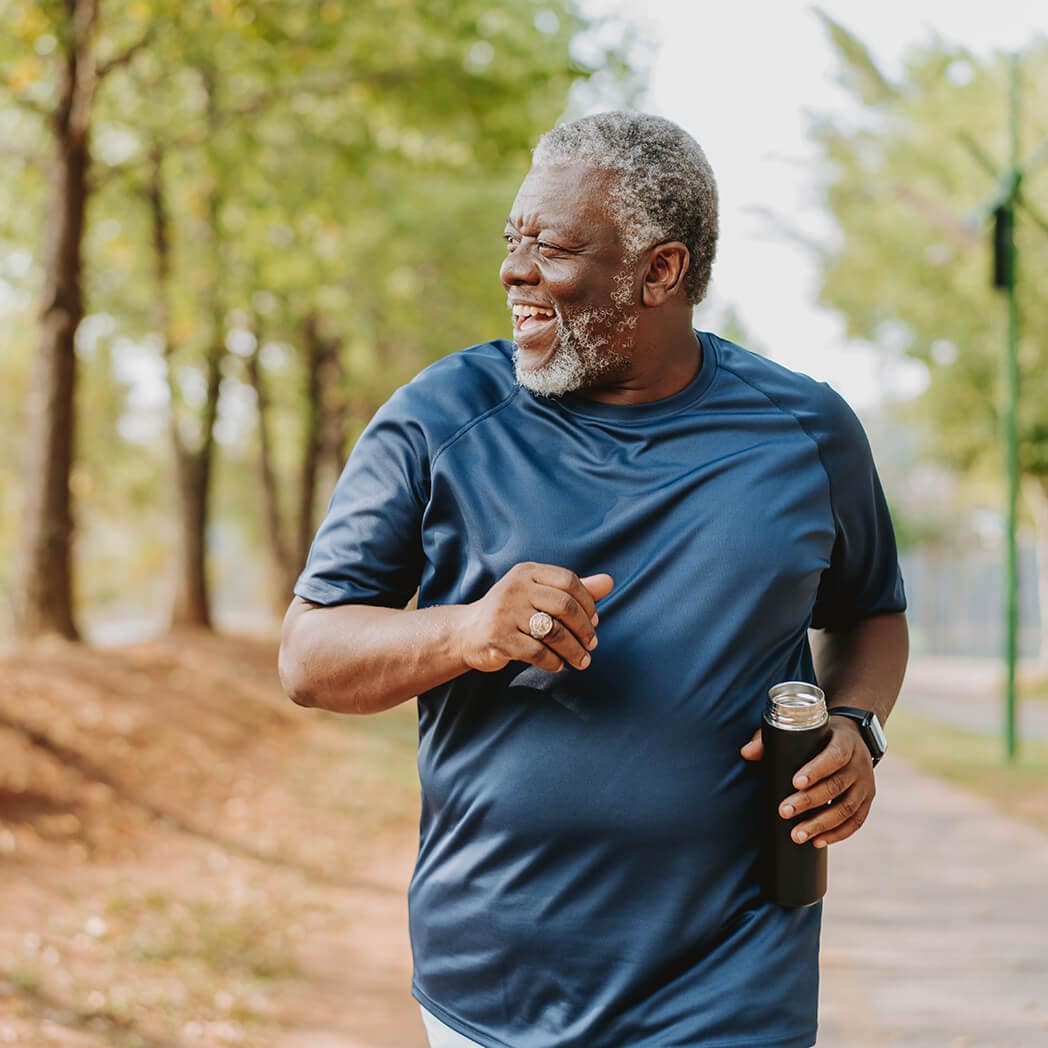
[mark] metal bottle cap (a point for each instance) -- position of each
(795, 705)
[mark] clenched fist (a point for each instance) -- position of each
(494, 629)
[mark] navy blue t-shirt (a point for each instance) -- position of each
(587, 869)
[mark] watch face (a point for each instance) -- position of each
(878, 733)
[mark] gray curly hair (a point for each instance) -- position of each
(665, 189)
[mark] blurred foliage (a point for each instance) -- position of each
(350, 161)
(732, 326)
(911, 269)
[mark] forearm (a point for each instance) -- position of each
(863, 666)
(360, 659)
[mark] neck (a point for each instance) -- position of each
(663, 363)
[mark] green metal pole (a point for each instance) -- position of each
(1011, 441)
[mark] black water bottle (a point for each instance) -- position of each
(795, 727)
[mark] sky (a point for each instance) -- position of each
(743, 78)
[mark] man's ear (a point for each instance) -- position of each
(665, 274)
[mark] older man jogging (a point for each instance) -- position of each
(621, 531)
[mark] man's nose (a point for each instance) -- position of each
(518, 267)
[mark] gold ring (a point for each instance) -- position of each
(540, 625)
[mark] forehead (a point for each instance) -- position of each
(573, 198)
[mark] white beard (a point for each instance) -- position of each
(581, 358)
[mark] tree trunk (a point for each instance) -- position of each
(192, 609)
(276, 547)
(1036, 491)
(192, 606)
(323, 440)
(191, 595)
(314, 351)
(336, 417)
(43, 584)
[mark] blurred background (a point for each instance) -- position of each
(229, 230)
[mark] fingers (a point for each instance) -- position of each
(495, 629)
(572, 605)
(837, 821)
(563, 579)
(837, 786)
(754, 749)
(565, 644)
(833, 757)
(522, 647)
(845, 829)
(573, 635)
(821, 794)
(599, 586)
(536, 652)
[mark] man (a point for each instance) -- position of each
(587, 870)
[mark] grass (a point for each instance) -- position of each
(26, 976)
(976, 762)
(170, 965)
(1034, 688)
(241, 938)
(160, 965)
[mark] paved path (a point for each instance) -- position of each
(968, 692)
(936, 924)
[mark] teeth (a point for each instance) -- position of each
(531, 311)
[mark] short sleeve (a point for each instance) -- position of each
(863, 578)
(368, 549)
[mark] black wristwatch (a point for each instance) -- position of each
(872, 732)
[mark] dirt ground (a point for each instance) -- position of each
(187, 858)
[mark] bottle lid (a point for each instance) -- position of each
(795, 705)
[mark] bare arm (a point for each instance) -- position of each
(354, 658)
(863, 667)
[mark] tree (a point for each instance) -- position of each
(910, 274)
(419, 147)
(63, 97)
(321, 172)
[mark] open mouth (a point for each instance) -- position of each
(529, 321)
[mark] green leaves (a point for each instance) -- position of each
(911, 272)
(859, 72)
(351, 160)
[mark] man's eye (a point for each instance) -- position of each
(511, 239)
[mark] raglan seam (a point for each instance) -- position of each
(464, 429)
(804, 429)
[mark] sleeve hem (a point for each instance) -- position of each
(319, 592)
(892, 607)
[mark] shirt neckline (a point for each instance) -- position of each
(683, 398)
